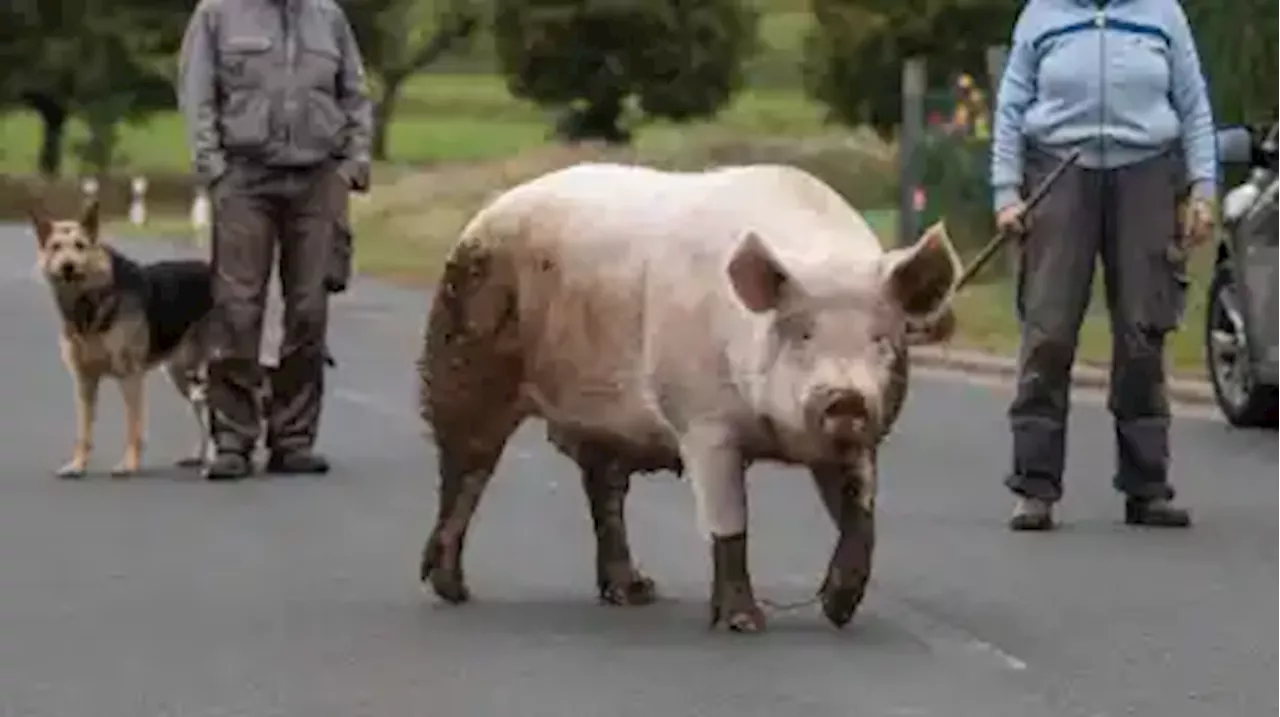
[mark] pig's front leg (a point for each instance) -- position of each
(848, 493)
(715, 470)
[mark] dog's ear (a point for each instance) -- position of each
(89, 218)
(39, 221)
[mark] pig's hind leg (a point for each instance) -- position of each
(848, 494)
(471, 370)
(606, 482)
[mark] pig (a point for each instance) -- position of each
(694, 322)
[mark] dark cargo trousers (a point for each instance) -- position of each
(1128, 217)
(254, 207)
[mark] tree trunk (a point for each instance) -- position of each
(53, 117)
(599, 120)
(383, 112)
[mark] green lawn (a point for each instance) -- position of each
(442, 118)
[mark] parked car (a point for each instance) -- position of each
(1241, 321)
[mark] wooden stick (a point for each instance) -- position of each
(998, 241)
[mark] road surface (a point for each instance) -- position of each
(297, 597)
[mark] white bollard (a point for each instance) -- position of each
(138, 204)
(200, 211)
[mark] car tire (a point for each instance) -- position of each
(1243, 401)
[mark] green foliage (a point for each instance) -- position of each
(854, 53)
(676, 59)
(399, 38)
(104, 61)
(955, 175)
(1238, 49)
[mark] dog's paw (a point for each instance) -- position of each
(124, 469)
(71, 471)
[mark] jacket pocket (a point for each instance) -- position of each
(1167, 300)
(244, 61)
(323, 123)
(246, 120)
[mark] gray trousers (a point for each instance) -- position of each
(265, 216)
(1128, 217)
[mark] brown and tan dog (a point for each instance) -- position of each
(121, 319)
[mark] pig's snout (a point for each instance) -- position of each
(844, 418)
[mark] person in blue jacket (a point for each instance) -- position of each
(1121, 81)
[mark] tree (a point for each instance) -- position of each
(112, 68)
(854, 53)
(400, 38)
(1239, 56)
(679, 59)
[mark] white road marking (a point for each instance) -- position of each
(941, 638)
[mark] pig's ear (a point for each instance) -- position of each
(757, 276)
(921, 278)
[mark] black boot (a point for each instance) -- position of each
(228, 466)
(1155, 513)
(298, 462)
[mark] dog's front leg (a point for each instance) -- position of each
(86, 386)
(135, 411)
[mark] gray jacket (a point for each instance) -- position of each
(275, 81)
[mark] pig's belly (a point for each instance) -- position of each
(604, 412)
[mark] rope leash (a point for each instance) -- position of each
(777, 607)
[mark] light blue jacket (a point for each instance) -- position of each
(1120, 79)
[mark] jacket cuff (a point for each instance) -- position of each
(356, 174)
(1005, 196)
(211, 168)
(1204, 189)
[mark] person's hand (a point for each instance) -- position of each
(355, 175)
(1009, 220)
(1198, 218)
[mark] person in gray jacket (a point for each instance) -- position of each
(279, 119)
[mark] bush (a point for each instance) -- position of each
(680, 59)
(955, 175)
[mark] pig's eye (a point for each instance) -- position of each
(796, 328)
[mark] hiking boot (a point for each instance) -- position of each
(227, 466)
(1031, 514)
(1155, 513)
(297, 463)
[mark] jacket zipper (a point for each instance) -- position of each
(1100, 21)
(289, 56)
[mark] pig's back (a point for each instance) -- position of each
(611, 219)
(623, 301)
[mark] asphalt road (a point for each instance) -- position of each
(166, 595)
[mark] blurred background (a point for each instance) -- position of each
(476, 95)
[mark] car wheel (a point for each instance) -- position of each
(1243, 401)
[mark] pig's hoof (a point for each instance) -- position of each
(634, 590)
(746, 620)
(744, 617)
(450, 587)
(840, 602)
(447, 583)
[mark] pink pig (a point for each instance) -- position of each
(693, 322)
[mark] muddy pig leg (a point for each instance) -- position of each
(467, 459)
(848, 494)
(606, 483)
(716, 473)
